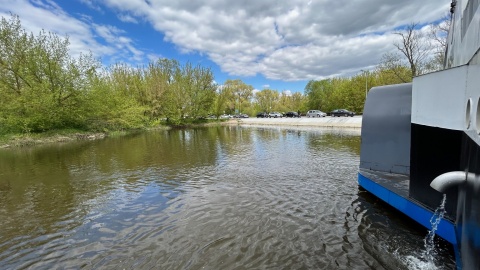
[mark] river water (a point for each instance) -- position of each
(207, 198)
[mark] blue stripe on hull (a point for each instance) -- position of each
(446, 229)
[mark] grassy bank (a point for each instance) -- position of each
(54, 136)
(68, 135)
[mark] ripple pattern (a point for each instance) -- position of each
(269, 199)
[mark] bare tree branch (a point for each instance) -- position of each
(438, 34)
(414, 47)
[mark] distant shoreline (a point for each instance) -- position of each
(354, 123)
(327, 122)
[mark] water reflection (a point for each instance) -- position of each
(215, 198)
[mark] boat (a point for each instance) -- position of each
(420, 141)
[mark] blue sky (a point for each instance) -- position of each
(265, 43)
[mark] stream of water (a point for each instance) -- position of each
(207, 198)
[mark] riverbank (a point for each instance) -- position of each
(326, 122)
(66, 136)
(61, 136)
(20, 140)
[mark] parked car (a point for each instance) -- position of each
(316, 113)
(262, 115)
(275, 115)
(342, 112)
(292, 114)
(225, 116)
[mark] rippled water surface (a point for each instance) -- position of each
(208, 198)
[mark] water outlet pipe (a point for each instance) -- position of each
(447, 180)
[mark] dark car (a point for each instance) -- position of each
(292, 114)
(342, 112)
(262, 115)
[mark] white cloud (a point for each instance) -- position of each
(104, 41)
(127, 18)
(282, 40)
(288, 40)
(287, 93)
(91, 4)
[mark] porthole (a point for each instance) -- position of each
(477, 121)
(468, 118)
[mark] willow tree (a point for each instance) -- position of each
(298, 102)
(112, 103)
(294, 102)
(319, 94)
(41, 86)
(191, 93)
(221, 102)
(158, 80)
(239, 94)
(202, 91)
(267, 100)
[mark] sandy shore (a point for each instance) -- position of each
(328, 121)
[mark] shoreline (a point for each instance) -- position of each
(304, 122)
(324, 122)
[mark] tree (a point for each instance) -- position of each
(158, 79)
(202, 93)
(240, 93)
(438, 34)
(415, 47)
(319, 94)
(112, 107)
(393, 69)
(190, 94)
(41, 86)
(267, 100)
(298, 102)
(221, 100)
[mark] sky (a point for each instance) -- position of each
(272, 44)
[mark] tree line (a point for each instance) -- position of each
(43, 87)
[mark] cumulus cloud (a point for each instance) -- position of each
(288, 40)
(281, 40)
(104, 41)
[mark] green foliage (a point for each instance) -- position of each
(350, 93)
(234, 97)
(158, 80)
(268, 100)
(41, 85)
(201, 91)
(43, 88)
(319, 94)
(221, 100)
(392, 69)
(113, 107)
(330, 94)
